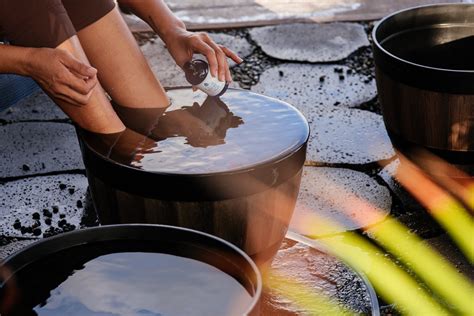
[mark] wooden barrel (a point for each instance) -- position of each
(229, 167)
(425, 75)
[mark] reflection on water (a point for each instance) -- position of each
(148, 284)
(462, 134)
(239, 130)
(198, 135)
(201, 125)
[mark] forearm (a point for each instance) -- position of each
(14, 59)
(157, 14)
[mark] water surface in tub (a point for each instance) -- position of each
(446, 47)
(136, 283)
(199, 135)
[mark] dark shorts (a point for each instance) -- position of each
(48, 23)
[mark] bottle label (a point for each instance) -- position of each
(211, 85)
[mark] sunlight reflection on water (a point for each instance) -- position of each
(147, 284)
(267, 129)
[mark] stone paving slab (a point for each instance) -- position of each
(311, 42)
(408, 211)
(238, 44)
(338, 134)
(309, 86)
(163, 65)
(420, 222)
(412, 214)
(14, 247)
(212, 14)
(388, 175)
(347, 136)
(33, 201)
(36, 107)
(38, 148)
(451, 252)
(339, 195)
(170, 74)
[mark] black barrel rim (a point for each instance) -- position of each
(49, 246)
(446, 85)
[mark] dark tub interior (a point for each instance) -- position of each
(438, 46)
(131, 277)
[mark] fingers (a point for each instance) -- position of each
(217, 59)
(203, 48)
(78, 67)
(223, 67)
(232, 55)
(229, 53)
(67, 99)
(76, 86)
(72, 97)
(76, 92)
(64, 77)
(82, 86)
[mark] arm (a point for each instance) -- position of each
(181, 43)
(14, 60)
(60, 74)
(156, 14)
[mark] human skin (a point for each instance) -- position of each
(118, 66)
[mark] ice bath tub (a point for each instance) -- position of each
(425, 76)
(228, 167)
(130, 270)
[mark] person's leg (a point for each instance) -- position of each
(98, 115)
(46, 24)
(122, 69)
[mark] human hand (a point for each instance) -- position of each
(183, 44)
(62, 75)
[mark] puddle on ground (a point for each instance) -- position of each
(319, 271)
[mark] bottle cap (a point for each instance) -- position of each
(196, 71)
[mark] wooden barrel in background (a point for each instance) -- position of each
(425, 80)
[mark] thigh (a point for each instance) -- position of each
(38, 23)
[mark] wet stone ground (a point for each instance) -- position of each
(43, 187)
